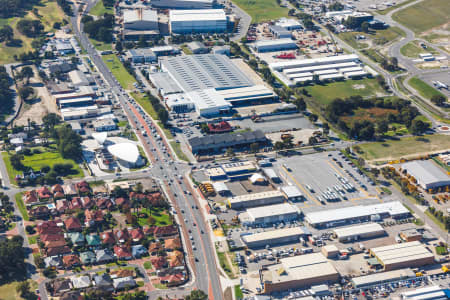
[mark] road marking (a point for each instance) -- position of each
(300, 186)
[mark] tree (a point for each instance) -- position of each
(25, 92)
(12, 258)
(313, 118)
(26, 72)
(163, 115)
(30, 28)
(278, 145)
(119, 47)
(254, 147)
(142, 43)
(6, 33)
(418, 127)
(336, 6)
(16, 161)
(326, 128)
(382, 126)
(23, 288)
(312, 140)
(438, 100)
(50, 120)
(365, 27)
(196, 295)
(300, 103)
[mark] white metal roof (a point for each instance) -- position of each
(276, 42)
(356, 73)
(269, 172)
(308, 265)
(358, 229)
(272, 210)
(197, 15)
(255, 178)
(250, 92)
(299, 75)
(331, 76)
(303, 79)
(128, 152)
(273, 234)
(325, 72)
(333, 215)
(402, 252)
(291, 191)
(209, 98)
(140, 14)
(297, 63)
(321, 67)
(426, 172)
(100, 137)
(220, 186)
(424, 293)
(377, 278)
(255, 196)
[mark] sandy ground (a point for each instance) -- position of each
(43, 104)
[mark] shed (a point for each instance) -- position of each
(330, 251)
(257, 179)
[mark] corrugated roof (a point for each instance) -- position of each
(272, 210)
(426, 172)
(382, 277)
(273, 234)
(401, 252)
(358, 229)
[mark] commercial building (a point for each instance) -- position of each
(197, 47)
(330, 251)
(141, 55)
(410, 235)
(274, 45)
(382, 278)
(247, 95)
(362, 213)
(226, 140)
(221, 188)
(208, 102)
(289, 24)
(434, 292)
(76, 102)
(354, 233)
(256, 199)
(183, 4)
(271, 174)
(198, 72)
(291, 192)
(140, 22)
(78, 78)
(284, 212)
(223, 50)
(104, 125)
(280, 32)
(197, 21)
(165, 84)
(403, 255)
(427, 174)
(298, 271)
(178, 103)
(274, 237)
(126, 154)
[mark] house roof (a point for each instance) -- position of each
(158, 262)
(71, 260)
(93, 240)
(72, 223)
(88, 257)
(108, 237)
(122, 252)
(172, 244)
(104, 255)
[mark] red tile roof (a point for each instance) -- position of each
(137, 234)
(122, 252)
(158, 262)
(108, 238)
(165, 231)
(71, 260)
(72, 223)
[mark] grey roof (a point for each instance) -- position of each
(279, 30)
(103, 279)
(203, 71)
(426, 172)
(196, 45)
(142, 52)
(104, 255)
(241, 137)
(164, 82)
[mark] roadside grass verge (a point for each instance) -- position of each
(99, 9)
(224, 264)
(146, 104)
(423, 88)
(100, 45)
(435, 220)
(238, 292)
(125, 79)
(22, 207)
(177, 148)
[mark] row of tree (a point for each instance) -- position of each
(14, 8)
(100, 29)
(161, 111)
(6, 94)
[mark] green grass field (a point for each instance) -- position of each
(324, 94)
(159, 215)
(413, 49)
(379, 37)
(262, 10)
(424, 15)
(350, 38)
(145, 103)
(21, 206)
(387, 35)
(373, 55)
(423, 88)
(99, 9)
(125, 79)
(101, 46)
(49, 12)
(396, 149)
(8, 291)
(37, 161)
(177, 148)
(387, 10)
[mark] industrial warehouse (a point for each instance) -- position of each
(403, 255)
(354, 233)
(427, 174)
(256, 199)
(274, 237)
(293, 272)
(197, 21)
(140, 22)
(223, 141)
(341, 216)
(326, 68)
(183, 4)
(380, 278)
(274, 45)
(270, 214)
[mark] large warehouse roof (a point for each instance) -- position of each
(339, 214)
(272, 210)
(358, 230)
(397, 253)
(133, 15)
(378, 278)
(128, 152)
(247, 93)
(197, 15)
(198, 72)
(298, 63)
(255, 196)
(208, 99)
(426, 172)
(164, 83)
(273, 234)
(291, 191)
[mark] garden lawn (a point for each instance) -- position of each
(350, 38)
(396, 149)
(99, 9)
(262, 10)
(424, 15)
(324, 94)
(125, 79)
(423, 88)
(160, 216)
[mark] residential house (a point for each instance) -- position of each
(122, 252)
(164, 231)
(122, 235)
(62, 205)
(61, 286)
(137, 234)
(80, 282)
(155, 247)
(71, 260)
(104, 256)
(57, 251)
(74, 295)
(57, 188)
(173, 279)
(93, 240)
(30, 197)
(121, 202)
(108, 238)
(138, 251)
(87, 202)
(72, 224)
(123, 282)
(172, 244)
(39, 212)
(104, 203)
(51, 237)
(104, 282)
(82, 187)
(69, 189)
(49, 227)
(159, 262)
(120, 273)
(44, 193)
(55, 244)
(53, 262)
(93, 217)
(77, 238)
(88, 258)
(176, 259)
(75, 203)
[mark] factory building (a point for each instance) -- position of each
(289, 24)
(231, 171)
(357, 232)
(274, 237)
(403, 255)
(271, 174)
(166, 86)
(226, 140)
(183, 4)
(410, 235)
(78, 78)
(280, 32)
(292, 193)
(361, 213)
(283, 212)
(223, 50)
(382, 278)
(434, 292)
(178, 103)
(140, 22)
(256, 199)
(76, 102)
(208, 102)
(427, 174)
(274, 45)
(142, 55)
(197, 47)
(298, 271)
(197, 21)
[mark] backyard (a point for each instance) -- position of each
(160, 217)
(424, 15)
(398, 148)
(262, 10)
(125, 79)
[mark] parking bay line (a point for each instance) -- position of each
(300, 186)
